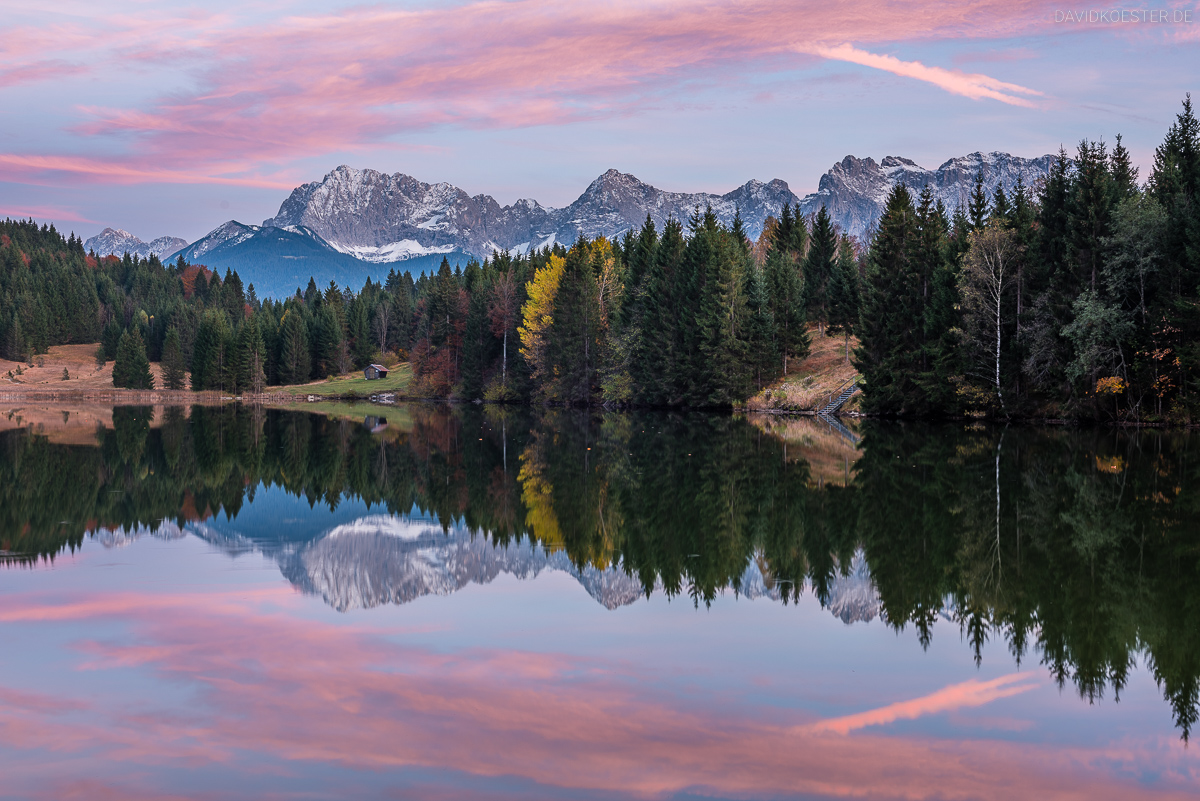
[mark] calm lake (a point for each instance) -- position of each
(443, 602)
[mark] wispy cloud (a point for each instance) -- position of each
(956, 696)
(973, 85)
(55, 213)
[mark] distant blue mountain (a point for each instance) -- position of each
(278, 261)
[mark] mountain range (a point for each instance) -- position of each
(354, 223)
(114, 241)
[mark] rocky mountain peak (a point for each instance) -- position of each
(118, 242)
(855, 190)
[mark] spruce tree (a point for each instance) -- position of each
(1090, 206)
(362, 346)
(251, 359)
(844, 298)
(721, 374)
(574, 348)
(294, 359)
(759, 329)
(889, 323)
(131, 369)
(654, 350)
(785, 290)
(477, 339)
(977, 206)
(1124, 173)
(173, 364)
(819, 268)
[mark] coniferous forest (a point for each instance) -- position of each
(1076, 297)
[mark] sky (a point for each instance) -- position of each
(169, 118)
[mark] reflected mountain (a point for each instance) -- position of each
(1077, 548)
(384, 559)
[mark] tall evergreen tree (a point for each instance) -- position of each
(131, 369)
(252, 356)
(786, 291)
(977, 205)
(844, 299)
(819, 269)
(574, 346)
(294, 359)
(889, 344)
(173, 364)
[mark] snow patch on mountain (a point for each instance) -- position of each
(392, 252)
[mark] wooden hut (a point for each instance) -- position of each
(374, 371)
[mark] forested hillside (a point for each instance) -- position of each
(1078, 297)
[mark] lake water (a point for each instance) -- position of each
(462, 603)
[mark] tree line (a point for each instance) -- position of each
(1078, 296)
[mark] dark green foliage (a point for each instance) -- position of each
(131, 369)
(844, 298)
(1100, 312)
(819, 269)
(786, 289)
(890, 332)
(173, 364)
(575, 332)
(294, 363)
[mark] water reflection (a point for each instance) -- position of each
(1075, 548)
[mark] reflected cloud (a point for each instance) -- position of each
(272, 686)
(957, 696)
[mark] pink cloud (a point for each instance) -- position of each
(38, 71)
(296, 86)
(268, 685)
(43, 213)
(972, 85)
(957, 696)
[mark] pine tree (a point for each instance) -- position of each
(759, 330)
(844, 298)
(819, 268)
(251, 357)
(131, 369)
(654, 351)
(294, 360)
(362, 346)
(889, 348)
(785, 290)
(1089, 208)
(233, 297)
(721, 375)
(477, 339)
(574, 348)
(173, 364)
(1124, 173)
(977, 206)
(210, 355)
(1001, 209)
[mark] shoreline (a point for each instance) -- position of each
(184, 397)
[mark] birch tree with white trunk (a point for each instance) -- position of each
(988, 273)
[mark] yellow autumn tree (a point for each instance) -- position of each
(536, 317)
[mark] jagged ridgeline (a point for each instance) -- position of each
(1078, 548)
